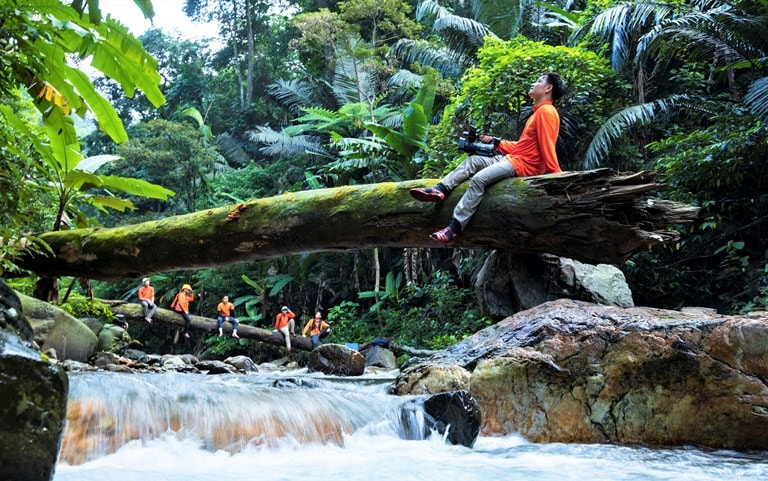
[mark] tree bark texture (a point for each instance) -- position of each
(595, 216)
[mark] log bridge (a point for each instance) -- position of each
(596, 216)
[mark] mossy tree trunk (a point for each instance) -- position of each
(595, 216)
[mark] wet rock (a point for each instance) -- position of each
(242, 363)
(378, 356)
(34, 399)
(117, 368)
(94, 324)
(508, 283)
(136, 355)
(215, 367)
(456, 415)
(12, 315)
(337, 360)
(188, 358)
(153, 359)
(173, 362)
(294, 382)
(112, 338)
(426, 378)
(570, 371)
(103, 359)
(75, 366)
(57, 329)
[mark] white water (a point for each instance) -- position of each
(373, 445)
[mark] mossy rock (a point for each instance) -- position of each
(56, 329)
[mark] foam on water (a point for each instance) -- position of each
(372, 446)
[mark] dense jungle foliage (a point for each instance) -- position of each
(302, 94)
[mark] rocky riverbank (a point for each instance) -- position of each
(570, 371)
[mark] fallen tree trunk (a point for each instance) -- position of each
(594, 216)
(166, 316)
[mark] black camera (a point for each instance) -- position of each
(468, 143)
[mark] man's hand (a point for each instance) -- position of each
(486, 139)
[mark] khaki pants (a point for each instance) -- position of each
(482, 172)
(285, 331)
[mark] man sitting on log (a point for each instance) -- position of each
(226, 311)
(533, 154)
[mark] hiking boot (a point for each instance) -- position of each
(427, 194)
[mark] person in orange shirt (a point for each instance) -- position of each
(533, 154)
(180, 304)
(226, 312)
(284, 323)
(146, 296)
(317, 328)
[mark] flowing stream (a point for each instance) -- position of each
(295, 426)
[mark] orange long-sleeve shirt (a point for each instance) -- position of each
(225, 308)
(281, 320)
(312, 328)
(146, 293)
(181, 301)
(534, 153)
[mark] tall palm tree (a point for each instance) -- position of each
(721, 33)
(459, 37)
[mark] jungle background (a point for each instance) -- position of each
(304, 94)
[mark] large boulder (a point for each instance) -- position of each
(456, 415)
(570, 371)
(380, 357)
(58, 330)
(337, 360)
(33, 399)
(426, 378)
(508, 283)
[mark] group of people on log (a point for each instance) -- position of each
(284, 320)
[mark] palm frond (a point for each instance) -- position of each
(293, 94)
(318, 114)
(621, 24)
(388, 115)
(231, 150)
(278, 143)
(502, 17)
(720, 35)
(642, 114)
(353, 82)
(461, 34)
(405, 78)
(430, 9)
(757, 98)
(450, 63)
